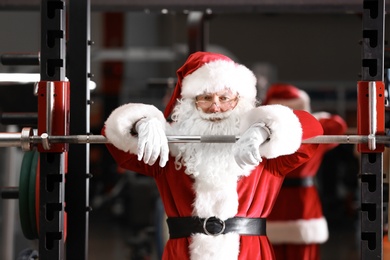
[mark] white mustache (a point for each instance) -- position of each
(217, 116)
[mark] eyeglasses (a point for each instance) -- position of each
(223, 102)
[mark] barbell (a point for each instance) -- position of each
(26, 139)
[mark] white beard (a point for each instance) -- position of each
(212, 165)
(215, 172)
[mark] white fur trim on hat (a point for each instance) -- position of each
(121, 121)
(301, 231)
(284, 127)
(218, 75)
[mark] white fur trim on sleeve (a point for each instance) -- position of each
(322, 115)
(282, 123)
(301, 231)
(121, 121)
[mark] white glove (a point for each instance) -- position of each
(246, 149)
(152, 141)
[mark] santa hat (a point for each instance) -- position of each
(287, 94)
(206, 72)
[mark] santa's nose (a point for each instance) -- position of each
(214, 107)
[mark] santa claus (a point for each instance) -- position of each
(217, 196)
(296, 226)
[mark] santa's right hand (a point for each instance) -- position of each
(152, 141)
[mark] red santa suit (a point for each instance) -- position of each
(296, 225)
(204, 179)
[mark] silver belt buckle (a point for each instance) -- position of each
(214, 234)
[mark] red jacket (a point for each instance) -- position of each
(256, 193)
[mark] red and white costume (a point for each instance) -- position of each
(296, 225)
(204, 179)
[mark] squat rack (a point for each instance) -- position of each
(61, 222)
(372, 161)
(55, 163)
(53, 67)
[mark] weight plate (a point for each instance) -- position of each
(24, 181)
(31, 193)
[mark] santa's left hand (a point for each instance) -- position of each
(246, 149)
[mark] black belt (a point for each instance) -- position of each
(298, 182)
(180, 227)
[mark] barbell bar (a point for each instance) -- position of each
(26, 139)
(100, 139)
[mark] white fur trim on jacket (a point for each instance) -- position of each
(121, 121)
(223, 247)
(312, 231)
(218, 75)
(282, 123)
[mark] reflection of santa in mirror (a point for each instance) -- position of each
(296, 226)
(216, 195)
